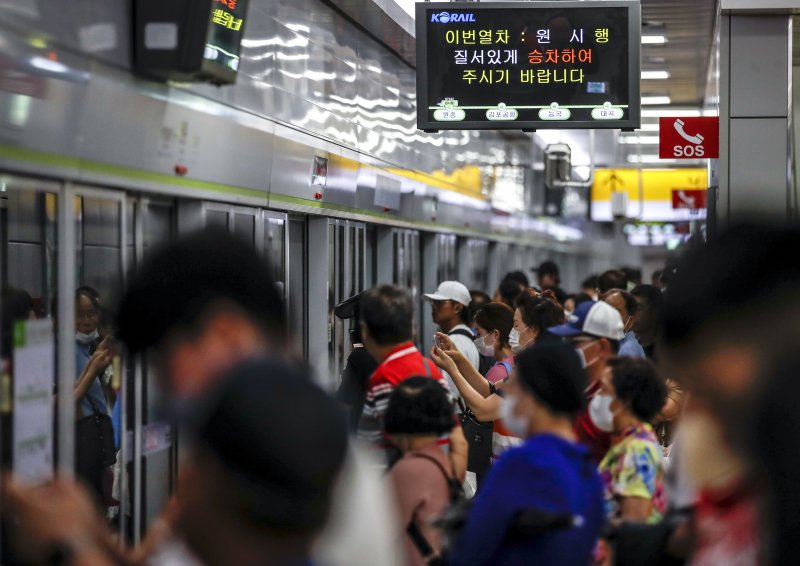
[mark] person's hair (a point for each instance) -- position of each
(419, 405)
(654, 298)
(627, 298)
(590, 282)
(519, 277)
(548, 267)
(539, 311)
(496, 316)
(638, 386)
(281, 442)
(478, 299)
(552, 372)
(91, 294)
(611, 279)
(464, 315)
(510, 290)
(656, 277)
(179, 284)
(387, 312)
(16, 305)
(745, 282)
(632, 275)
(579, 298)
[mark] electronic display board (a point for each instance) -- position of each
(189, 40)
(224, 40)
(528, 65)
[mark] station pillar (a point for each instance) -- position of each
(755, 88)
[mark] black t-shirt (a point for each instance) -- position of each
(353, 389)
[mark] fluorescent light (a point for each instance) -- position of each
(638, 140)
(654, 39)
(676, 112)
(656, 100)
(649, 159)
(655, 75)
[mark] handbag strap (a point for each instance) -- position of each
(95, 410)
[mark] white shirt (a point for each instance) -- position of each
(467, 347)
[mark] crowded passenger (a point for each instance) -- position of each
(549, 473)
(494, 323)
(648, 323)
(206, 303)
(95, 452)
(549, 279)
(478, 299)
(573, 301)
(589, 287)
(730, 314)
(450, 311)
(508, 291)
(594, 330)
(628, 400)
(626, 306)
(611, 279)
(352, 391)
(419, 413)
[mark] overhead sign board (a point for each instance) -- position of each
(689, 138)
(651, 194)
(528, 65)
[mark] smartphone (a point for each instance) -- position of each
(438, 341)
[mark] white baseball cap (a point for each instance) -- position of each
(594, 318)
(451, 291)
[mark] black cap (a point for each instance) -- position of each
(553, 373)
(281, 439)
(348, 308)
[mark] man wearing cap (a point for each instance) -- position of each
(594, 330)
(450, 310)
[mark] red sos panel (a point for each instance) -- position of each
(689, 138)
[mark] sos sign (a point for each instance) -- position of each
(689, 138)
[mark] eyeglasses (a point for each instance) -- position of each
(439, 302)
(86, 314)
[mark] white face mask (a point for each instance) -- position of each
(513, 338)
(600, 412)
(516, 425)
(484, 348)
(519, 347)
(582, 356)
(87, 338)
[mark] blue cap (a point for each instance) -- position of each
(593, 318)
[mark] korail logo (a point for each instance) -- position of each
(447, 17)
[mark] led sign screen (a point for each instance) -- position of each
(528, 65)
(223, 44)
(189, 40)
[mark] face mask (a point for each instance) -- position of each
(87, 338)
(516, 425)
(600, 412)
(702, 452)
(582, 356)
(484, 348)
(513, 338)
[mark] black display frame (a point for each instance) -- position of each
(631, 122)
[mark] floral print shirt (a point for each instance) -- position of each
(632, 467)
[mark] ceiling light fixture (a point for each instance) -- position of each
(655, 75)
(654, 39)
(656, 100)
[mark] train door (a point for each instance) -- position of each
(32, 221)
(151, 443)
(346, 275)
(473, 263)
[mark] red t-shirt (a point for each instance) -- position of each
(402, 362)
(597, 441)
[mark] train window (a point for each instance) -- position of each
(217, 218)
(275, 247)
(244, 226)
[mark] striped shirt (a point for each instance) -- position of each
(403, 362)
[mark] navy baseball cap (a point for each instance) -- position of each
(593, 318)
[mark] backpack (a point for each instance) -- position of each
(456, 493)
